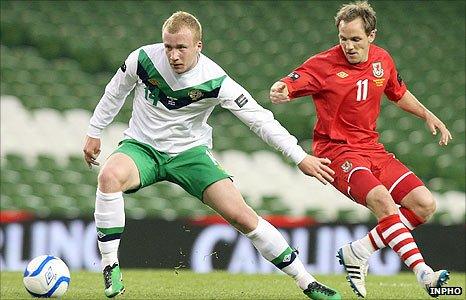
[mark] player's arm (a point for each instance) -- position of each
(261, 121)
(397, 92)
(303, 81)
(408, 102)
(109, 105)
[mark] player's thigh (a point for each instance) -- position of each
(398, 179)
(194, 170)
(140, 158)
(353, 176)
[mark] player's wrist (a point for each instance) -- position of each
(298, 155)
(94, 132)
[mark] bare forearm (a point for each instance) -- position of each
(409, 103)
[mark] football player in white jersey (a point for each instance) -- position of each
(176, 88)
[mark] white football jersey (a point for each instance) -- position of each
(170, 110)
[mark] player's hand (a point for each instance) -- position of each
(279, 93)
(434, 123)
(317, 167)
(91, 151)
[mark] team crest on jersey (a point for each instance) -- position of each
(377, 69)
(294, 76)
(153, 81)
(342, 74)
(195, 95)
(346, 166)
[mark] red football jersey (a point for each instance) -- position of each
(347, 97)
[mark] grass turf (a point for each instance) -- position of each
(165, 284)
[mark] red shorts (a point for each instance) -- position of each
(358, 172)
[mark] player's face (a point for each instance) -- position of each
(181, 49)
(354, 41)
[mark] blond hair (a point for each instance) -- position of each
(180, 20)
(359, 9)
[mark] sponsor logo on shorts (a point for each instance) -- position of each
(241, 100)
(346, 166)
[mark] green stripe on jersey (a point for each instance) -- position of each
(154, 78)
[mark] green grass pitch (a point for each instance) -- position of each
(166, 284)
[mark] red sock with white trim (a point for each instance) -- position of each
(374, 241)
(398, 237)
(409, 218)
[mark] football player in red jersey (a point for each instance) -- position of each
(346, 83)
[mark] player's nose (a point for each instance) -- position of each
(173, 55)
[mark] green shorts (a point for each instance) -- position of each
(194, 169)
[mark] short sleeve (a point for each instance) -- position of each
(395, 88)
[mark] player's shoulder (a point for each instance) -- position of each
(210, 67)
(380, 53)
(329, 56)
(151, 49)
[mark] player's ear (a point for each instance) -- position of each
(372, 35)
(199, 46)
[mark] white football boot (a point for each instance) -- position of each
(429, 280)
(356, 269)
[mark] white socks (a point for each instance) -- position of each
(363, 247)
(273, 247)
(110, 222)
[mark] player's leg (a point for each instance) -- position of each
(407, 190)
(417, 207)
(363, 187)
(402, 185)
(224, 198)
(197, 171)
(120, 173)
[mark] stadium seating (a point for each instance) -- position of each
(56, 58)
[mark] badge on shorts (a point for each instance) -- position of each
(346, 166)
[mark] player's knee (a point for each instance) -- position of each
(380, 202)
(109, 180)
(426, 207)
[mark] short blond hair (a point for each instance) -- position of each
(359, 9)
(182, 19)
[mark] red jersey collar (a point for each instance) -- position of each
(360, 65)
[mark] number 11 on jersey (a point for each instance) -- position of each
(362, 89)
